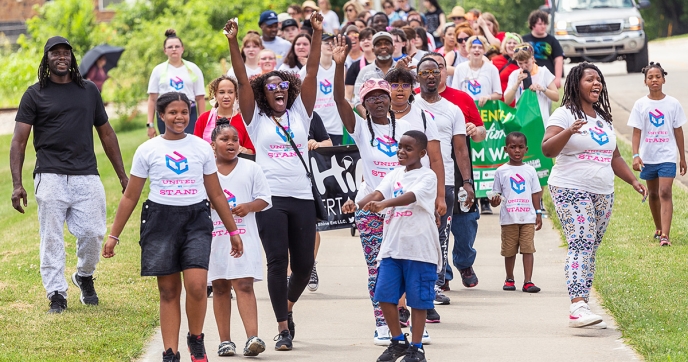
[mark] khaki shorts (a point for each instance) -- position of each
(518, 236)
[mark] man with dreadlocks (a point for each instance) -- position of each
(581, 137)
(62, 108)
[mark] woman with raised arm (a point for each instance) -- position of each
(277, 108)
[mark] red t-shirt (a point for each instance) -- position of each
(463, 101)
(237, 121)
(500, 61)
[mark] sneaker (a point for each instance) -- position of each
(283, 341)
(395, 350)
(58, 303)
(196, 348)
(414, 354)
(314, 281)
(485, 209)
(169, 356)
(209, 290)
(445, 286)
(529, 287)
(440, 298)
(426, 336)
(664, 240)
(658, 234)
(581, 316)
(433, 316)
(382, 337)
(509, 284)
(290, 324)
(404, 316)
(600, 325)
(88, 292)
(254, 346)
(226, 348)
(468, 277)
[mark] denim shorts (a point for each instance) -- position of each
(415, 278)
(175, 238)
(651, 172)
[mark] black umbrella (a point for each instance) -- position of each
(111, 54)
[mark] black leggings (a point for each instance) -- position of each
(287, 229)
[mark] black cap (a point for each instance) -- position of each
(327, 36)
(289, 22)
(56, 40)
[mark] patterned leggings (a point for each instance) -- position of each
(369, 225)
(584, 217)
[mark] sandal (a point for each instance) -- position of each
(529, 287)
(664, 240)
(658, 234)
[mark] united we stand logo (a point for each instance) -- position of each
(599, 135)
(518, 184)
(326, 86)
(398, 189)
(176, 83)
(474, 87)
(231, 199)
(386, 145)
(284, 137)
(178, 164)
(657, 118)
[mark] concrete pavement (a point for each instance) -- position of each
(484, 323)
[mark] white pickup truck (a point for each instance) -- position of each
(600, 30)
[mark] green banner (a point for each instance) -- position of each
(500, 120)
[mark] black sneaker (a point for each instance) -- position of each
(169, 356)
(414, 354)
(58, 303)
(290, 324)
(485, 208)
(404, 316)
(468, 277)
(283, 341)
(314, 281)
(433, 316)
(88, 292)
(395, 350)
(209, 290)
(196, 348)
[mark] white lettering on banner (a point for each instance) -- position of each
(336, 171)
(543, 173)
(535, 163)
(498, 153)
(478, 155)
(494, 134)
(331, 204)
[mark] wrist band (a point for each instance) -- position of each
(235, 232)
(114, 237)
(538, 212)
(636, 155)
(150, 125)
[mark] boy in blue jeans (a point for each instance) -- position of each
(410, 253)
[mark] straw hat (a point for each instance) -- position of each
(457, 12)
(310, 4)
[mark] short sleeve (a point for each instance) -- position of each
(261, 189)
(557, 51)
(302, 73)
(458, 123)
(27, 109)
(238, 123)
(430, 128)
(300, 111)
(425, 190)
(494, 76)
(497, 184)
(513, 78)
(209, 165)
(635, 119)
(199, 84)
(317, 132)
(470, 110)
(680, 118)
(456, 79)
(386, 185)
(140, 164)
(535, 182)
(560, 118)
(154, 81)
(101, 116)
(358, 127)
(363, 75)
(547, 77)
(253, 127)
(352, 73)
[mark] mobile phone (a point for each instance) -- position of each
(528, 81)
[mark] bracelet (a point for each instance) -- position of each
(114, 237)
(150, 125)
(538, 212)
(235, 232)
(636, 155)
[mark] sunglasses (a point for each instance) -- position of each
(426, 73)
(374, 99)
(462, 40)
(271, 87)
(350, 10)
(524, 46)
(396, 86)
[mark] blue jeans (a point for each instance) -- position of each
(445, 224)
(464, 226)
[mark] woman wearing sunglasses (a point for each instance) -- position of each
(277, 109)
(460, 54)
(477, 77)
(504, 62)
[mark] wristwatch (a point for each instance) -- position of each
(150, 125)
(468, 181)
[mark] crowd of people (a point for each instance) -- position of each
(406, 87)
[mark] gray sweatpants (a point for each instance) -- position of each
(80, 201)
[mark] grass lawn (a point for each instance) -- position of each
(642, 284)
(128, 312)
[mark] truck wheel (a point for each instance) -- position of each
(636, 62)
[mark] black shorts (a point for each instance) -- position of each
(174, 238)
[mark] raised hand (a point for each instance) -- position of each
(231, 29)
(316, 21)
(339, 50)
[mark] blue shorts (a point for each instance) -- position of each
(651, 172)
(415, 278)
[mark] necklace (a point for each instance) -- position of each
(472, 74)
(403, 110)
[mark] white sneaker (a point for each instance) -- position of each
(581, 316)
(600, 325)
(382, 337)
(426, 336)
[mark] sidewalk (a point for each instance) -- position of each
(481, 324)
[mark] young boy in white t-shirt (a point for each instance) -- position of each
(517, 188)
(410, 253)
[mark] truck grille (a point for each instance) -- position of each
(598, 28)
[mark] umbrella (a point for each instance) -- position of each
(111, 53)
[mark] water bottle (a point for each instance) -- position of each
(463, 196)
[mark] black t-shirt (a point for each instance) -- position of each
(432, 20)
(354, 69)
(317, 132)
(546, 49)
(63, 116)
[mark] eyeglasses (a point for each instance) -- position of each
(462, 40)
(405, 86)
(353, 35)
(170, 47)
(271, 87)
(350, 10)
(382, 83)
(307, 10)
(379, 97)
(426, 73)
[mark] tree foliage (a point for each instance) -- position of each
(512, 15)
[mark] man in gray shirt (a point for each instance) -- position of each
(268, 23)
(383, 47)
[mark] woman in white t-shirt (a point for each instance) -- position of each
(657, 121)
(542, 81)
(175, 75)
(330, 18)
(251, 46)
(478, 76)
(298, 54)
(277, 108)
(581, 137)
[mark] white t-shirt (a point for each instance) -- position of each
(517, 184)
(324, 104)
(281, 164)
(349, 60)
(330, 22)
(544, 78)
(379, 159)
(246, 183)
(450, 121)
(415, 118)
(175, 169)
(410, 231)
(656, 121)
(166, 78)
(249, 72)
(481, 83)
(280, 47)
(458, 59)
(585, 163)
(286, 68)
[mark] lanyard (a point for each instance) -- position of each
(163, 75)
(287, 134)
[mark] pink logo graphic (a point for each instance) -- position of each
(474, 87)
(387, 145)
(326, 86)
(518, 184)
(177, 164)
(657, 119)
(176, 83)
(231, 199)
(398, 189)
(599, 135)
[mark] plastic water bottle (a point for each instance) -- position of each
(463, 196)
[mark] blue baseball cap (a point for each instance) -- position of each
(268, 17)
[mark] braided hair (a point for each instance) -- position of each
(370, 126)
(571, 99)
(221, 124)
(655, 66)
(44, 72)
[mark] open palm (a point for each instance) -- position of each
(339, 50)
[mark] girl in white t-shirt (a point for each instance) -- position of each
(657, 121)
(581, 137)
(247, 193)
(298, 54)
(176, 229)
(251, 46)
(175, 75)
(478, 76)
(277, 109)
(542, 81)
